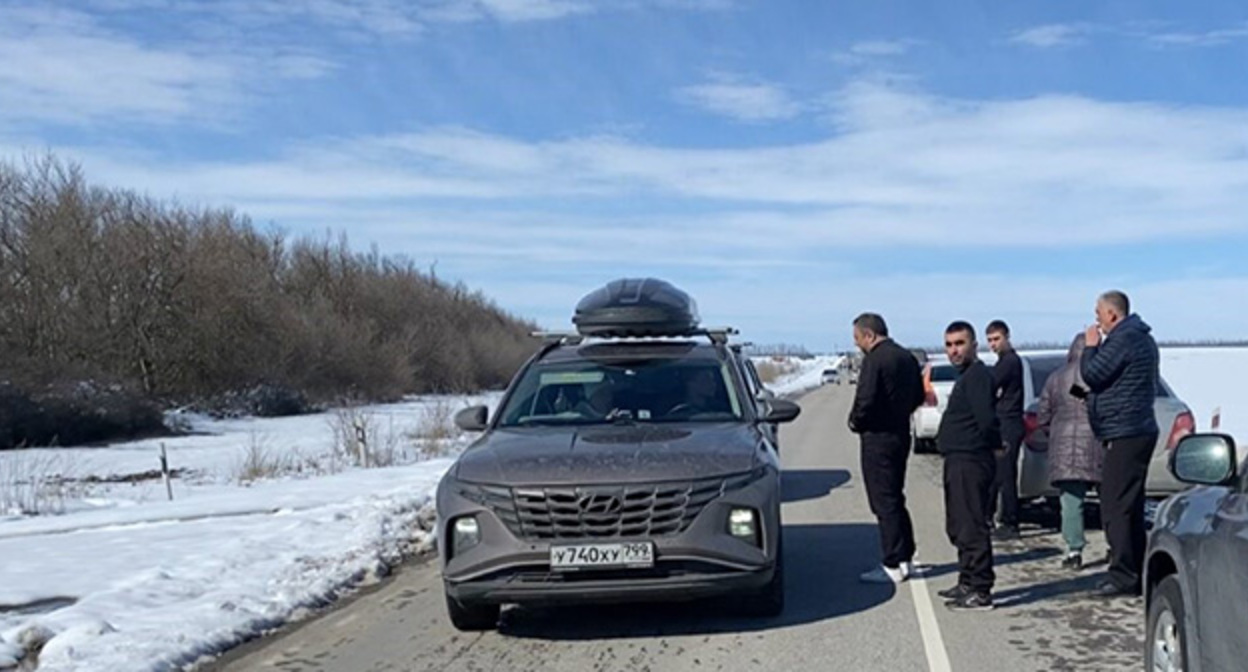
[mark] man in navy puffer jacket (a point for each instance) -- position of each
(1122, 369)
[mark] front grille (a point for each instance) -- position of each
(603, 511)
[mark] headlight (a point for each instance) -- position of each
(743, 524)
(465, 533)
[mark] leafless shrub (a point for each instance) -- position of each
(363, 439)
(260, 461)
(34, 482)
(436, 432)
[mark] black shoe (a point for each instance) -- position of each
(972, 601)
(1109, 589)
(1006, 533)
(955, 593)
(1073, 561)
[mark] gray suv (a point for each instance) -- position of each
(1196, 569)
(633, 461)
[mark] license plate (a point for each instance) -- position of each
(597, 556)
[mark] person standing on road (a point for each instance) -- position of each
(969, 438)
(1121, 366)
(1008, 377)
(1075, 456)
(890, 389)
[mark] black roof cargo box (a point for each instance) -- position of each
(636, 307)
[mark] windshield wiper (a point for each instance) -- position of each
(620, 416)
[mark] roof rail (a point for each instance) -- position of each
(718, 335)
(558, 337)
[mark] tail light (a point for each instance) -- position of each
(1184, 424)
(929, 392)
(1031, 422)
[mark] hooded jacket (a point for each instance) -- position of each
(1123, 374)
(1075, 454)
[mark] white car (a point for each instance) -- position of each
(938, 379)
(830, 377)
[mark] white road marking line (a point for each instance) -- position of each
(933, 645)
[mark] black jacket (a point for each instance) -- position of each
(1007, 375)
(1123, 374)
(970, 424)
(890, 388)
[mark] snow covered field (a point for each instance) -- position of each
(126, 580)
(121, 579)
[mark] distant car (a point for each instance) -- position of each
(1196, 567)
(634, 461)
(938, 380)
(831, 377)
(1174, 418)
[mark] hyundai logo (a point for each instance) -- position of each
(600, 504)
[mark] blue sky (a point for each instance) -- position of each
(790, 163)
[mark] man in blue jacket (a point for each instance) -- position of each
(1121, 367)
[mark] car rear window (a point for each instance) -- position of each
(944, 373)
(1041, 369)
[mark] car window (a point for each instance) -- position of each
(660, 389)
(944, 373)
(1041, 369)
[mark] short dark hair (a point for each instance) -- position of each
(960, 325)
(873, 323)
(1118, 301)
(998, 326)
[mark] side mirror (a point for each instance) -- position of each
(473, 419)
(1204, 459)
(781, 410)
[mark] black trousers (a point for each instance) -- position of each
(968, 493)
(884, 474)
(1122, 506)
(1004, 499)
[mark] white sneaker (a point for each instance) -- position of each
(884, 575)
(907, 569)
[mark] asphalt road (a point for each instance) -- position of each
(1044, 619)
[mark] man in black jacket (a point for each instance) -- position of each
(969, 438)
(1121, 367)
(890, 388)
(1008, 377)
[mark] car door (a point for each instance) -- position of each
(1222, 579)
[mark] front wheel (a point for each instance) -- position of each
(1166, 648)
(472, 617)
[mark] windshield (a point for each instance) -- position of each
(944, 373)
(633, 390)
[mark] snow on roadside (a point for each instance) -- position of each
(1208, 379)
(129, 581)
(807, 375)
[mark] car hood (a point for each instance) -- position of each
(608, 454)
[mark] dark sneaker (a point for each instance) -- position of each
(972, 601)
(1073, 561)
(955, 593)
(1006, 533)
(1109, 589)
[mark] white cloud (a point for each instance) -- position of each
(1051, 35)
(59, 65)
(752, 102)
(869, 51)
(903, 168)
(1210, 38)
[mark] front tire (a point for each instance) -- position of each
(472, 617)
(1166, 647)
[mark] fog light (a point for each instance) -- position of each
(743, 524)
(465, 534)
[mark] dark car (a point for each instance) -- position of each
(1196, 572)
(639, 465)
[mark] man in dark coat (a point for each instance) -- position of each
(890, 389)
(1008, 377)
(1121, 367)
(969, 439)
